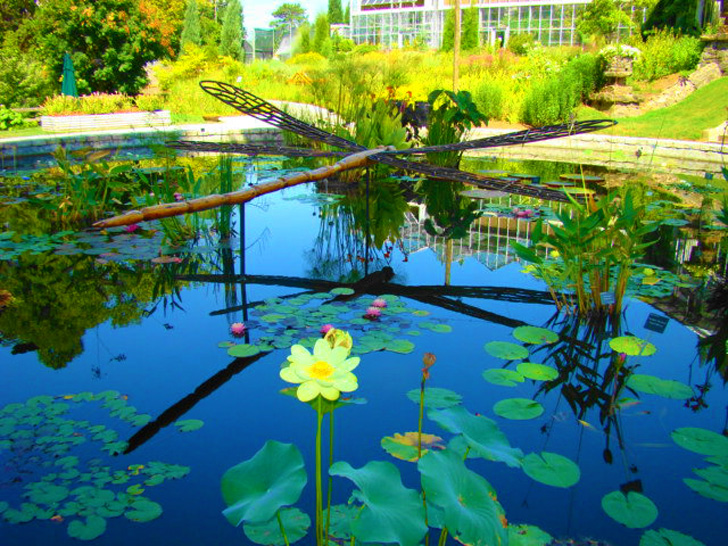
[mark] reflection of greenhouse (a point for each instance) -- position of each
(488, 240)
(395, 23)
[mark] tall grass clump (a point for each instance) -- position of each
(665, 53)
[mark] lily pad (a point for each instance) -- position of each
(667, 388)
(500, 376)
(46, 493)
(143, 510)
(506, 350)
(551, 469)
(92, 528)
(535, 335)
(632, 346)
(436, 397)
(537, 372)
(295, 524)
(189, 425)
(667, 537)
(481, 434)
(633, 510)
(243, 350)
(404, 446)
(527, 535)
(519, 409)
(471, 513)
(256, 489)
(700, 440)
(437, 327)
(402, 346)
(707, 489)
(391, 512)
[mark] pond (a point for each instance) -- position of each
(127, 395)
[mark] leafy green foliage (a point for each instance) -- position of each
(664, 53)
(602, 18)
(23, 80)
(9, 119)
(295, 523)
(667, 537)
(256, 489)
(520, 409)
(231, 39)
(390, 511)
(191, 31)
(676, 15)
(471, 513)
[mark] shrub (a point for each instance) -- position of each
(149, 103)
(586, 73)
(23, 80)
(488, 97)
(520, 44)
(665, 53)
(9, 119)
(97, 103)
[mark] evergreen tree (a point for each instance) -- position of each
(304, 41)
(469, 38)
(191, 33)
(336, 14)
(347, 13)
(322, 35)
(231, 39)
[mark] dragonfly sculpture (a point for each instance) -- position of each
(354, 156)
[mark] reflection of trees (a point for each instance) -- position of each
(58, 298)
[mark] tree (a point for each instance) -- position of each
(321, 42)
(347, 13)
(286, 20)
(602, 18)
(14, 12)
(335, 13)
(165, 18)
(684, 16)
(469, 34)
(110, 41)
(231, 39)
(304, 40)
(191, 31)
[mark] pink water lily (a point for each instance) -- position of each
(131, 228)
(373, 313)
(325, 328)
(237, 329)
(379, 302)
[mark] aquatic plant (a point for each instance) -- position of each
(597, 243)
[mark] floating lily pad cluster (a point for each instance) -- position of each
(111, 245)
(282, 323)
(53, 481)
(713, 482)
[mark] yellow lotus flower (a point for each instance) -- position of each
(325, 372)
(339, 338)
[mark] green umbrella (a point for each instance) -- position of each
(69, 77)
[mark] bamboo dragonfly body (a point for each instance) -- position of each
(356, 156)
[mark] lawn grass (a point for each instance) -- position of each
(686, 120)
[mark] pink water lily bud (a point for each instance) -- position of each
(373, 313)
(131, 228)
(237, 329)
(379, 302)
(325, 328)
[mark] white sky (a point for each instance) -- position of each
(257, 13)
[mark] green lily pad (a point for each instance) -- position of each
(143, 510)
(437, 327)
(189, 425)
(295, 523)
(667, 388)
(707, 489)
(341, 291)
(341, 517)
(94, 527)
(634, 510)
(470, 511)
(256, 489)
(391, 512)
(700, 440)
(24, 515)
(667, 537)
(519, 409)
(527, 535)
(506, 350)
(402, 346)
(505, 378)
(46, 493)
(537, 372)
(632, 346)
(535, 335)
(551, 469)
(436, 397)
(481, 434)
(243, 350)
(404, 446)
(3, 506)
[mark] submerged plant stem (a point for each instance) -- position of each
(319, 495)
(331, 478)
(443, 537)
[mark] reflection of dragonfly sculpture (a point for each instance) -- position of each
(355, 156)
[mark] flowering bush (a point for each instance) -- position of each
(619, 50)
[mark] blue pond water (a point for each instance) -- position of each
(171, 354)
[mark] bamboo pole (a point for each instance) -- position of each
(165, 210)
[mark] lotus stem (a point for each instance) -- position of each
(331, 478)
(280, 524)
(319, 495)
(443, 537)
(419, 424)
